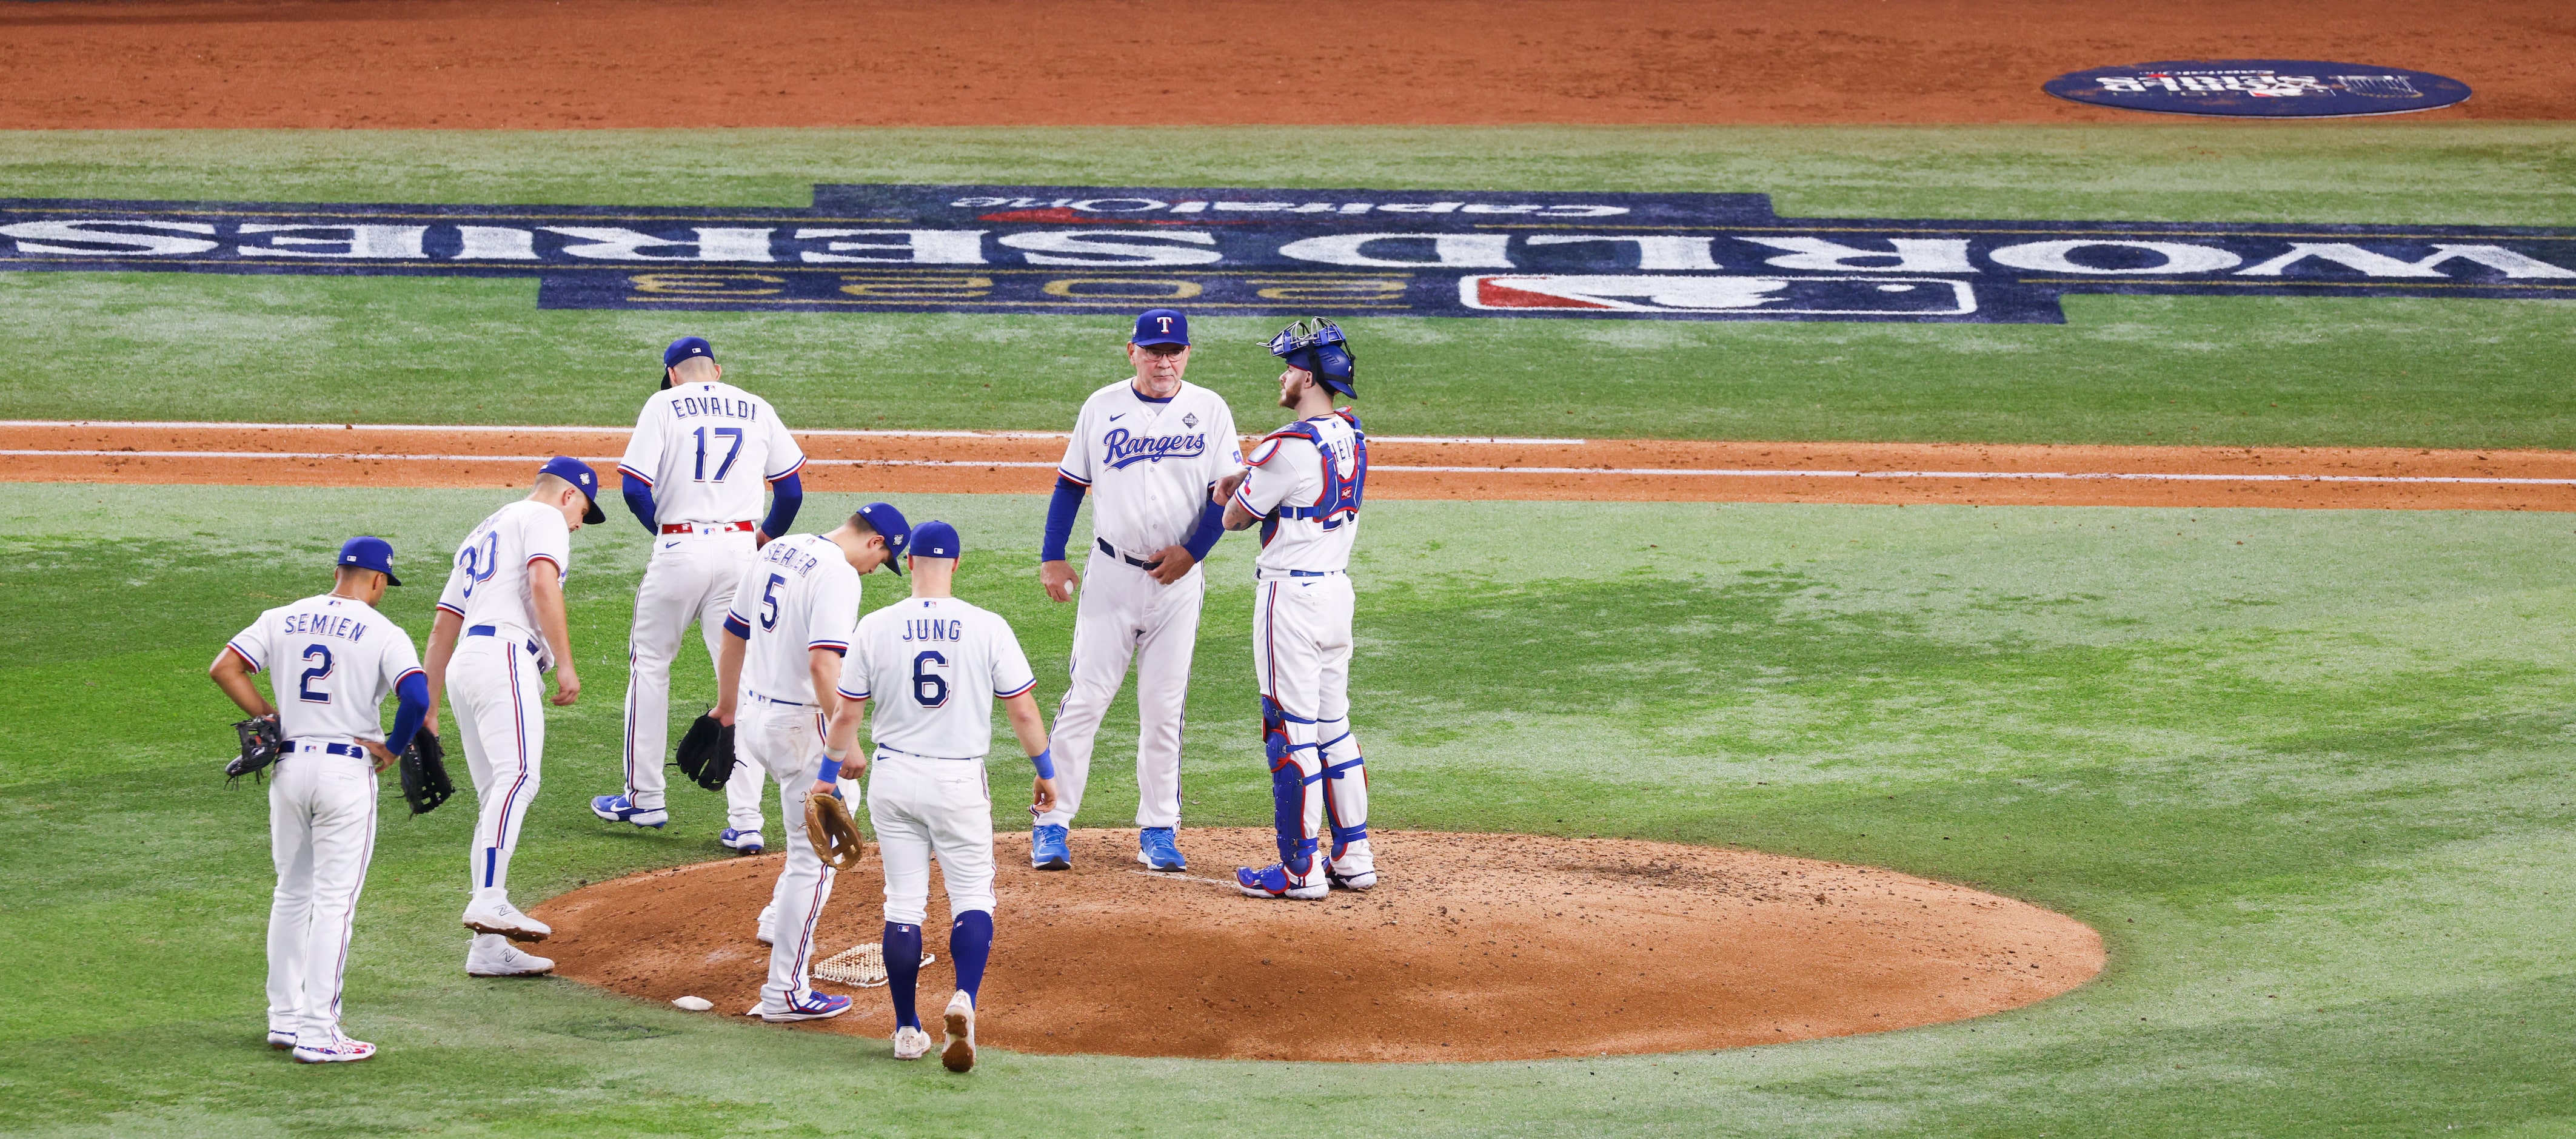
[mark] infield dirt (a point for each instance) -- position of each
(790, 63)
(1472, 947)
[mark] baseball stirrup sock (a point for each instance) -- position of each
(970, 944)
(903, 970)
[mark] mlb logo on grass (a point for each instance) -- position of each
(1763, 297)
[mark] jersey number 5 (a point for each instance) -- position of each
(320, 671)
(726, 464)
(769, 601)
(928, 687)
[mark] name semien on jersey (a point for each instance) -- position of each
(322, 625)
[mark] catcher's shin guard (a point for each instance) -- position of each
(1345, 787)
(1296, 792)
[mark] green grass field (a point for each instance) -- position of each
(2308, 772)
(2252, 371)
(2313, 788)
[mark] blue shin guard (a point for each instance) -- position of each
(1296, 769)
(903, 970)
(970, 944)
(1345, 785)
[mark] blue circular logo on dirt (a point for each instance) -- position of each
(2260, 88)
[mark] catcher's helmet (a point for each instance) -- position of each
(1317, 345)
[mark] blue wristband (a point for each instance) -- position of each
(831, 771)
(1044, 761)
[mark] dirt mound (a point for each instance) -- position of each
(1473, 947)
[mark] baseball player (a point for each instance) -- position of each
(1149, 449)
(702, 452)
(500, 623)
(322, 802)
(935, 665)
(1303, 483)
(785, 635)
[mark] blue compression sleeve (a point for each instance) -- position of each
(1211, 528)
(1059, 520)
(785, 496)
(902, 950)
(970, 945)
(413, 704)
(639, 498)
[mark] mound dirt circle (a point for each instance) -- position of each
(1472, 947)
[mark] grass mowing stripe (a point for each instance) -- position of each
(2313, 789)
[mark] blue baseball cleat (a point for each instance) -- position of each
(815, 1006)
(1048, 849)
(620, 809)
(1272, 881)
(745, 842)
(1154, 848)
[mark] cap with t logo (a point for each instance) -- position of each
(1161, 326)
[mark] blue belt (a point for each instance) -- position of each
(1112, 551)
(772, 699)
(494, 631)
(353, 751)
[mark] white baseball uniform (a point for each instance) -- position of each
(344, 657)
(709, 451)
(799, 594)
(1305, 482)
(1149, 464)
(933, 666)
(492, 680)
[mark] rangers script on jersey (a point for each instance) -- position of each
(1149, 463)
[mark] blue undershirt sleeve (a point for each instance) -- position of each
(1059, 519)
(786, 495)
(639, 498)
(413, 697)
(1211, 528)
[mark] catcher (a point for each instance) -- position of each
(789, 627)
(327, 745)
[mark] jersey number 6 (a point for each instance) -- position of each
(928, 687)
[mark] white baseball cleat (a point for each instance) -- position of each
(768, 924)
(1357, 881)
(959, 1054)
(911, 1043)
(505, 919)
(281, 1039)
(337, 1049)
(496, 957)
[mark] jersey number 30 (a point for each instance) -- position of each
(928, 687)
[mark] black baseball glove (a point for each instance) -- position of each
(424, 773)
(261, 741)
(706, 753)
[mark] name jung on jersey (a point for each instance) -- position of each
(1124, 448)
(923, 629)
(694, 405)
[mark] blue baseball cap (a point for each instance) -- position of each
(579, 474)
(889, 525)
(686, 347)
(935, 539)
(1161, 326)
(375, 554)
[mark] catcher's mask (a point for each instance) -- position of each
(1317, 345)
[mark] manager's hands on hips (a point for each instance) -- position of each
(1059, 579)
(1172, 564)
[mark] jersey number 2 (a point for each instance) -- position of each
(726, 464)
(320, 671)
(928, 687)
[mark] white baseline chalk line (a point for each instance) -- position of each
(1749, 473)
(836, 433)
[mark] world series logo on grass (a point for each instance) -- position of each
(1038, 249)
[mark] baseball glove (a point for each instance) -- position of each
(706, 753)
(834, 834)
(261, 741)
(424, 773)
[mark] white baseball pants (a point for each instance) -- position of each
(785, 742)
(1301, 658)
(924, 807)
(1123, 615)
(691, 577)
(321, 833)
(493, 687)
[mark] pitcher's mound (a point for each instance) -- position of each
(1472, 947)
